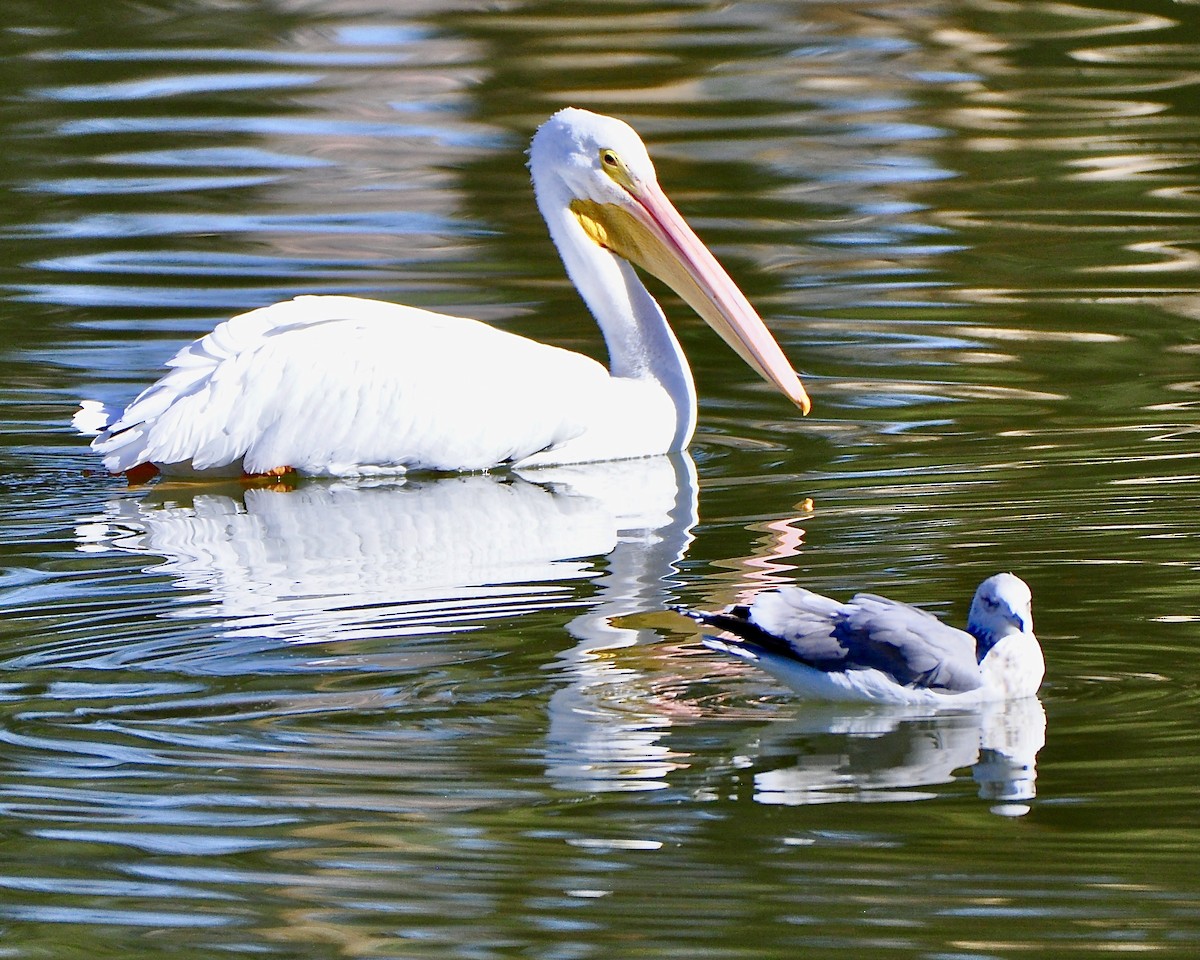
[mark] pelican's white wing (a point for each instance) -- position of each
(342, 385)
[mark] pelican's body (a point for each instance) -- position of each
(872, 649)
(342, 386)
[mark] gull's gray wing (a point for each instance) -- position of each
(913, 646)
(778, 619)
(910, 645)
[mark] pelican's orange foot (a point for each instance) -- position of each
(280, 478)
(142, 473)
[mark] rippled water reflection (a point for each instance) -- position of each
(452, 717)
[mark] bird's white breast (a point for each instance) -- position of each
(1014, 667)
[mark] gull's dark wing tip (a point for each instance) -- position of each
(735, 620)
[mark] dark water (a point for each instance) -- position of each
(451, 718)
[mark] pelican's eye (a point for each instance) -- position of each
(612, 164)
(617, 169)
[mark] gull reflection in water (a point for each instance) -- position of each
(897, 753)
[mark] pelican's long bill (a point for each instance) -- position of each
(651, 233)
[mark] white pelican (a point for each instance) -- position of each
(331, 385)
(880, 650)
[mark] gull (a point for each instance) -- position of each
(872, 649)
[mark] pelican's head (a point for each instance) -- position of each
(598, 167)
(1002, 606)
(588, 152)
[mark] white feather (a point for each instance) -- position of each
(92, 417)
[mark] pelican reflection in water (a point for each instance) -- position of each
(339, 560)
(283, 572)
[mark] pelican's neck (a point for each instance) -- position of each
(641, 344)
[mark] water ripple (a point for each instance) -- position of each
(182, 85)
(110, 226)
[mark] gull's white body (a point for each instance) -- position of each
(345, 386)
(876, 686)
(828, 650)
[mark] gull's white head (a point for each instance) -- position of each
(1002, 606)
(598, 191)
